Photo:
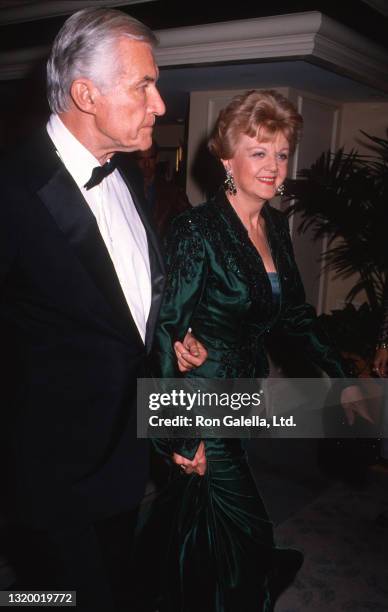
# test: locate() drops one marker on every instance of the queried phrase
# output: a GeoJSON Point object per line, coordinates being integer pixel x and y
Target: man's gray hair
{"type": "Point", "coordinates": [85, 46]}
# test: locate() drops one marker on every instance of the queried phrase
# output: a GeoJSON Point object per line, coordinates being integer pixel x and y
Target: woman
{"type": "Point", "coordinates": [232, 278]}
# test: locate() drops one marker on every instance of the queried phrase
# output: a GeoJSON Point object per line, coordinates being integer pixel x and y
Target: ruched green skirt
{"type": "Point", "coordinates": [206, 543]}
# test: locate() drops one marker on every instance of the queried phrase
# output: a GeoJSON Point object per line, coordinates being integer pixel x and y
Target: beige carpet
{"type": "Point", "coordinates": [346, 551]}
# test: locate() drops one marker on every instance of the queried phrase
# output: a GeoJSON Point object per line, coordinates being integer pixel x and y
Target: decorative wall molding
{"type": "Point", "coordinates": [17, 12]}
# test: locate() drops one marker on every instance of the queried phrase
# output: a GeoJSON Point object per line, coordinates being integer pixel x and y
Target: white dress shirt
{"type": "Point", "coordinates": [117, 218]}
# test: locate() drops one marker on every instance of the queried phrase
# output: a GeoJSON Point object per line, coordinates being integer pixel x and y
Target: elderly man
{"type": "Point", "coordinates": [82, 279]}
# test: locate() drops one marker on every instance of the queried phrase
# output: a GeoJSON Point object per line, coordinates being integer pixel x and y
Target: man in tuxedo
{"type": "Point", "coordinates": [81, 278]}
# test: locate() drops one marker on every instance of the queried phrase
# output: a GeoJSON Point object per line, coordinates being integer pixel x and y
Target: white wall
{"type": "Point", "coordinates": [371, 117]}
{"type": "Point", "coordinates": [320, 134]}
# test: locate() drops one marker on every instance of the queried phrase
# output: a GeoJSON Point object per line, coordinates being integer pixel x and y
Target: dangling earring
{"type": "Point", "coordinates": [281, 190]}
{"type": "Point", "coordinates": [229, 184]}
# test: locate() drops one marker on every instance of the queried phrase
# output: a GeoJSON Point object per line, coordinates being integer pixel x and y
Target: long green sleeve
{"type": "Point", "coordinates": [299, 321]}
{"type": "Point", "coordinates": [186, 278]}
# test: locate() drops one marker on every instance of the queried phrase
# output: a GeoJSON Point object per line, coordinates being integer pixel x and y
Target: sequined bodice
{"type": "Point", "coordinates": [217, 285]}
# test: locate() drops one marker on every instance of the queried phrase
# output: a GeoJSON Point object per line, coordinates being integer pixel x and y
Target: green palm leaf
{"type": "Point", "coordinates": [345, 196]}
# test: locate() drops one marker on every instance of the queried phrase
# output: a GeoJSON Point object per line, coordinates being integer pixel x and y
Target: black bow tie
{"type": "Point", "coordinates": [100, 172]}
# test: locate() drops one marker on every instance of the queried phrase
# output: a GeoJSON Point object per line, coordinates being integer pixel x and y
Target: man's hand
{"type": "Point", "coordinates": [380, 362]}
{"type": "Point", "coordinates": [197, 465]}
{"type": "Point", "coordinates": [190, 353]}
{"type": "Point", "coordinates": [353, 403]}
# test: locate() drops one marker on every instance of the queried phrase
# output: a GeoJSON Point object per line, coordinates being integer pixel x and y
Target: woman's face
{"type": "Point", "coordinates": [259, 167]}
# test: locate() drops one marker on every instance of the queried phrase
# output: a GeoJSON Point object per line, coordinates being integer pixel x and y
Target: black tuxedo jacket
{"type": "Point", "coordinates": [71, 349]}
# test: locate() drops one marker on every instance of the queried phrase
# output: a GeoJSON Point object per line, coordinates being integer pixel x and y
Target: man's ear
{"type": "Point", "coordinates": [84, 95]}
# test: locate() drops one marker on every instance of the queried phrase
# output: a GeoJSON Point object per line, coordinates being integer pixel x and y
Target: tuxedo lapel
{"type": "Point", "coordinates": [155, 258]}
{"type": "Point", "coordinates": [74, 218]}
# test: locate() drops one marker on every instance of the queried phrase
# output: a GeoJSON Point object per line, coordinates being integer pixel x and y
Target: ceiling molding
{"type": "Point", "coordinates": [310, 35]}
{"type": "Point", "coordinates": [351, 54]}
{"type": "Point", "coordinates": [34, 10]}
{"type": "Point", "coordinates": [255, 38]}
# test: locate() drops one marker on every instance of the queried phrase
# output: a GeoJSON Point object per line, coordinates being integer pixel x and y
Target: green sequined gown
{"type": "Point", "coordinates": [216, 542]}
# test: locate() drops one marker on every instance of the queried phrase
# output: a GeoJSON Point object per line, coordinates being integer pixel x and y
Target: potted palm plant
{"type": "Point", "coordinates": [345, 197]}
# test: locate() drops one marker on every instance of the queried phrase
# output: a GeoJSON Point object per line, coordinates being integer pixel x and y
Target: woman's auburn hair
{"type": "Point", "coordinates": [260, 114]}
